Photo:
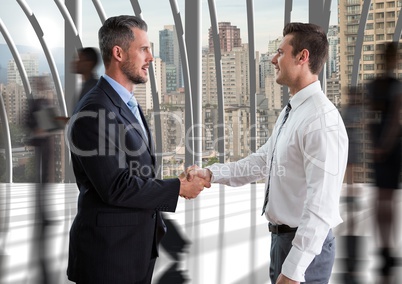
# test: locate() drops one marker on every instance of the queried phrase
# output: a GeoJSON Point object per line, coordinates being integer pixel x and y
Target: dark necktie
{"type": "Point", "coordinates": [133, 106]}
{"type": "Point", "coordinates": [288, 108]}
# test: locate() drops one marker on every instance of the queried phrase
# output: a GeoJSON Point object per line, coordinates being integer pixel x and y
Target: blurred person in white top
{"type": "Point", "coordinates": [303, 163]}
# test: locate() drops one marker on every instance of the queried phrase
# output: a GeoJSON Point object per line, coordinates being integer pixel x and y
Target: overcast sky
{"type": "Point", "coordinates": [268, 16]}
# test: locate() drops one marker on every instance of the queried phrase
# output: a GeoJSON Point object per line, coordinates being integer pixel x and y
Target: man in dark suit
{"type": "Point", "coordinates": [118, 227]}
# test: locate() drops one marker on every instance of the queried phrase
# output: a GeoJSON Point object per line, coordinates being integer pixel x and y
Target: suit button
{"type": "Point", "coordinates": [154, 216]}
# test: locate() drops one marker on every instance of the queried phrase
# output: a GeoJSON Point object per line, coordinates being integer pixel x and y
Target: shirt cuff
{"type": "Point", "coordinates": [296, 264]}
{"type": "Point", "coordinates": [214, 172]}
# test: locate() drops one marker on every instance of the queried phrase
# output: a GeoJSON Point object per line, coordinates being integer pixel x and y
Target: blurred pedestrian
{"type": "Point", "coordinates": [353, 116]}
{"type": "Point", "coordinates": [384, 100]}
{"type": "Point", "coordinates": [42, 123]}
{"type": "Point", "coordinates": [85, 64]}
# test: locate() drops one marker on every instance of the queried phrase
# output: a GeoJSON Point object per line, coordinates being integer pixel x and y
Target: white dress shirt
{"type": "Point", "coordinates": [306, 177]}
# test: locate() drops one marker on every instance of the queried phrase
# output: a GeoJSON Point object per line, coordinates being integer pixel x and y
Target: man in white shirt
{"type": "Point", "coordinates": [303, 162]}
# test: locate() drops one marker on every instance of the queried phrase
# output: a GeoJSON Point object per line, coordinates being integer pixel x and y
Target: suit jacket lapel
{"type": "Point", "coordinates": [144, 121]}
{"type": "Point", "coordinates": [125, 112]}
{"type": "Point", "coordinates": [150, 140]}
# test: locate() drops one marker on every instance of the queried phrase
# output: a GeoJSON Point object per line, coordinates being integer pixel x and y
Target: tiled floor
{"type": "Point", "coordinates": [229, 239]}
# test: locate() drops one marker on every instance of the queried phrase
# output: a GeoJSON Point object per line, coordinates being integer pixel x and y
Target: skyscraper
{"type": "Point", "coordinates": [333, 39]}
{"type": "Point", "coordinates": [380, 28]}
{"type": "Point", "coordinates": [31, 65]}
{"type": "Point", "coordinates": [229, 37]}
{"type": "Point", "coordinates": [169, 52]}
{"type": "Point", "coordinates": [15, 102]}
{"type": "Point", "coordinates": [235, 72]}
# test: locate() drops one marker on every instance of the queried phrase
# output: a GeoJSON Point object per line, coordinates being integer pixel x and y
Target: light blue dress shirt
{"type": "Point", "coordinates": [126, 96]}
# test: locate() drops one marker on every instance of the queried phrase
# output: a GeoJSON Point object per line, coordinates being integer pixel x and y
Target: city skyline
{"type": "Point", "coordinates": [268, 19]}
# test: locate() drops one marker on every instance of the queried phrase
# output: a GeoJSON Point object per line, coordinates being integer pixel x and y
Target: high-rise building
{"type": "Point", "coordinates": [235, 77]}
{"type": "Point", "coordinates": [379, 29]}
{"type": "Point", "coordinates": [332, 90]}
{"type": "Point", "coordinates": [265, 68]}
{"type": "Point", "coordinates": [169, 52]}
{"type": "Point", "coordinates": [236, 93]}
{"type": "Point", "coordinates": [15, 102]}
{"type": "Point", "coordinates": [333, 39]}
{"type": "Point", "coordinates": [229, 37]}
{"type": "Point", "coordinates": [269, 87]}
{"type": "Point", "coordinates": [273, 45]}
{"type": "Point", "coordinates": [31, 65]}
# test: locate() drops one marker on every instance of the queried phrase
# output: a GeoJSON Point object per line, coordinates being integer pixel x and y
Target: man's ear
{"type": "Point", "coordinates": [117, 53]}
{"type": "Point", "coordinates": [304, 56]}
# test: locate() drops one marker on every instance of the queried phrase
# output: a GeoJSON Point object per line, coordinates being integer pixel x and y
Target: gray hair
{"type": "Point", "coordinates": [118, 31]}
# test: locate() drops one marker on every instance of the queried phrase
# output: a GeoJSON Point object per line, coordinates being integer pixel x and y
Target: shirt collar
{"type": "Point", "coordinates": [305, 93]}
{"type": "Point", "coordinates": [124, 94]}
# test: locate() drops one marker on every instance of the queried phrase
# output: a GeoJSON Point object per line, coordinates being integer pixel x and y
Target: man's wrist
{"type": "Point", "coordinates": [210, 173]}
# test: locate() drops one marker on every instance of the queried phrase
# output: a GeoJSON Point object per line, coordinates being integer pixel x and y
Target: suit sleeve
{"type": "Point", "coordinates": [110, 158]}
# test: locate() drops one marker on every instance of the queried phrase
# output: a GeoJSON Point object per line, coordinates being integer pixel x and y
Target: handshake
{"type": "Point", "coordinates": [193, 180]}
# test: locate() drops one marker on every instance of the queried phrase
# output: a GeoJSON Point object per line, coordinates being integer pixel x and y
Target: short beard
{"type": "Point", "coordinates": [135, 79]}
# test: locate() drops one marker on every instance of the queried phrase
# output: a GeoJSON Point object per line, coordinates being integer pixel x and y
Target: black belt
{"type": "Point", "coordinates": [280, 229]}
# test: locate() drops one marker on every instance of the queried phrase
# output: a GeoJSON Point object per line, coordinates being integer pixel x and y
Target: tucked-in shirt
{"type": "Point", "coordinates": [307, 173]}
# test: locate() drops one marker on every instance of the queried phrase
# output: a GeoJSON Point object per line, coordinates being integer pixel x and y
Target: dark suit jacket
{"type": "Point", "coordinates": [118, 225]}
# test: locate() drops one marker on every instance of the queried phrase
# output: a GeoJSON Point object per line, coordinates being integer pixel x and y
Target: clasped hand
{"type": "Point", "coordinates": [193, 180]}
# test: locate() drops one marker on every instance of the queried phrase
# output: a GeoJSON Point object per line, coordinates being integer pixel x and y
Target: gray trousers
{"type": "Point", "coordinates": [320, 268]}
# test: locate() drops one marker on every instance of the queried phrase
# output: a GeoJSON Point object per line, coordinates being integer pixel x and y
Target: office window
{"type": "Point", "coordinates": [390, 15]}
{"type": "Point", "coordinates": [390, 4]}
{"type": "Point", "coordinates": [353, 29]}
{"type": "Point", "coordinates": [353, 18]}
{"type": "Point", "coordinates": [353, 2]}
{"type": "Point", "coordinates": [368, 57]}
{"type": "Point", "coordinates": [368, 47]}
{"type": "Point", "coordinates": [368, 66]}
{"type": "Point", "coordinates": [380, 47]}
{"type": "Point", "coordinates": [380, 6]}
{"type": "Point", "coordinates": [390, 25]}
{"type": "Point", "coordinates": [353, 9]}
{"type": "Point", "coordinates": [369, 38]}
{"type": "Point", "coordinates": [380, 66]}
{"type": "Point", "coordinates": [368, 76]}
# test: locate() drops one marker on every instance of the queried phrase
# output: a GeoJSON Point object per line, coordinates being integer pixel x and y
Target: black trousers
{"type": "Point", "coordinates": [148, 277]}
